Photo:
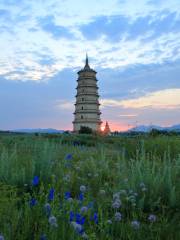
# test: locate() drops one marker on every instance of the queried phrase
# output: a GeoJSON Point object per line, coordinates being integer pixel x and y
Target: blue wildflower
{"type": "Point", "coordinates": [80, 219]}
{"type": "Point", "coordinates": [68, 156]}
{"type": "Point", "coordinates": [35, 181]}
{"type": "Point", "coordinates": [77, 227]}
{"type": "Point", "coordinates": [32, 202]}
{"type": "Point", "coordinates": [152, 218]}
{"type": "Point", "coordinates": [76, 143]}
{"type": "Point", "coordinates": [118, 216]}
{"type": "Point", "coordinates": [1, 237]}
{"type": "Point", "coordinates": [43, 237]}
{"type": "Point", "coordinates": [84, 209]}
{"type": "Point", "coordinates": [67, 195]}
{"type": "Point", "coordinates": [94, 218]}
{"type": "Point", "coordinates": [135, 224]}
{"type": "Point", "coordinates": [71, 216]}
{"type": "Point", "coordinates": [51, 194]}
{"type": "Point", "coordinates": [47, 208]}
{"type": "Point", "coordinates": [81, 197]}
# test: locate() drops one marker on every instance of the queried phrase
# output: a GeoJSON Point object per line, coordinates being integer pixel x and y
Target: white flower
{"type": "Point", "coordinates": [53, 221]}
{"type": "Point", "coordinates": [83, 188]}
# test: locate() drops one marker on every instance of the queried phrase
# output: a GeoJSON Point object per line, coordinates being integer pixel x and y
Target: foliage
{"type": "Point", "coordinates": [78, 186]}
{"type": "Point", "coordinates": [85, 130]}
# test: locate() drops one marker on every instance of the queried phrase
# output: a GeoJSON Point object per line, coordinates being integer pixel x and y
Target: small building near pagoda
{"type": "Point", "coordinates": [106, 130]}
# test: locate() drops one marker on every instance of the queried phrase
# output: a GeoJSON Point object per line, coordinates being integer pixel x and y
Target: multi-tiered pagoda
{"type": "Point", "coordinates": [87, 113]}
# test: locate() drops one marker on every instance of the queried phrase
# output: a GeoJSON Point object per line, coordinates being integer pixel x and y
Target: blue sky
{"type": "Point", "coordinates": [135, 48]}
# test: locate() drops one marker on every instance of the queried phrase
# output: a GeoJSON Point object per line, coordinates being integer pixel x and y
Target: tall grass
{"type": "Point", "coordinates": [144, 171]}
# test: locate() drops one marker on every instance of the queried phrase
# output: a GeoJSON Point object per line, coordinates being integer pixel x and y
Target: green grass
{"type": "Point", "coordinates": [111, 164]}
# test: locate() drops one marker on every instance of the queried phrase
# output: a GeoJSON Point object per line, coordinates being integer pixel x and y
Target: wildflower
{"type": "Point", "coordinates": [89, 174]}
{"type": "Point", "coordinates": [67, 178]}
{"type": "Point", "coordinates": [32, 202]}
{"type": "Point", "coordinates": [35, 181]}
{"type": "Point", "coordinates": [77, 227]}
{"type": "Point", "coordinates": [102, 192]}
{"type": "Point", "coordinates": [118, 216]}
{"type": "Point", "coordinates": [90, 205]}
{"type": "Point", "coordinates": [68, 156]}
{"type": "Point", "coordinates": [81, 197]}
{"type": "Point", "coordinates": [53, 221]}
{"type": "Point", "coordinates": [84, 209]}
{"type": "Point", "coordinates": [51, 194]}
{"type": "Point", "coordinates": [116, 204]}
{"type": "Point", "coordinates": [70, 200]}
{"type": "Point", "coordinates": [47, 208]}
{"type": "Point", "coordinates": [1, 237]}
{"type": "Point", "coordinates": [144, 189]}
{"type": "Point", "coordinates": [123, 192]}
{"type": "Point", "coordinates": [152, 218]}
{"type": "Point", "coordinates": [67, 195]}
{"type": "Point", "coordinates": [43, 237]}
{"type": "Point", "coordinates": [76, 143]}
{"type": "Point", "coordinates": [142, 185]}
{"type": "Point", "coordinates": [80, 219]}
{"type": "Point", "coordinates": [116, 195]}
{"type": "Point", "coordinates": [109, 221]}
{"type": "Point", "coordinates": [135, 194]}
{"type": "Point", "coordinates": [135, 224]}
{"type": "Point", "coordinates": [71, 216]}
{"type": "Point", "coordinates": [84, 235]}
{"type": "Point", "coordinates": [83, 188]}
{"type": "Point", "coordinates": [95, 218]}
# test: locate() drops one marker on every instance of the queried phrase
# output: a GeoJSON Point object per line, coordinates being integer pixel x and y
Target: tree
{"type": "Point", "coordinates": [85, 130]}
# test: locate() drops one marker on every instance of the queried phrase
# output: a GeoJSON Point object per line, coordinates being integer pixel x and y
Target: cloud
{"type": "Point", "coordinates": [116, 28]}
{"type": "Point", "coordinates": [57, 31]}
{"type": "Point", "coordinates": [64, 105]}
{"type": "Point", "coordinates": [165, 99]}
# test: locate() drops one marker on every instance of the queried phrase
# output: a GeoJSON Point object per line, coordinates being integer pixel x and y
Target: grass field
{"type": "Point", "coordinates": [72, 187]}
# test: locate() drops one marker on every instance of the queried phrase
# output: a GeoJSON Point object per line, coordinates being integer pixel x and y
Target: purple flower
{"type": "Point", "coordinates": [116, 204]}
{"type": "Point", "coordinates": [152, 218]}
{"type": "Point", "coordinates": [35, 181]}
{"type": "Point", "coordinates": [51, 194]}
{"type": "Point", "coordinates": [32, 202]}
{"type": "Point", "coordinates": [118, 216]}
{"type": "Point", "coordinates": [84, 209]}
{"type": "Point", "coordinates": [135, 224]}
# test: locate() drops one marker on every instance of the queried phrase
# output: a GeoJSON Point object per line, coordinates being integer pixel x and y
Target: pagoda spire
{"type": "Point", "coordinates": [87, 63]}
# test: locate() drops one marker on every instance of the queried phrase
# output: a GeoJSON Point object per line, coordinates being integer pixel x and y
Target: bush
{"type": "Point", "coordinates": [85, 130]}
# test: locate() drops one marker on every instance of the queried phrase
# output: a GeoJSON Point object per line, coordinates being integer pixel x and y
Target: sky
{"type": "Point", "coordinates": [133, 46]}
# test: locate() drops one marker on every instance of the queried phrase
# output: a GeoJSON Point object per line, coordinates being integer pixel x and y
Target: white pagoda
{"type": "Point", "coordinates": [87, 113]}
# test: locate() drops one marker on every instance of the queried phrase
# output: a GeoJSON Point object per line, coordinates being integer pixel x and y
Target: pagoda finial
{"type": "Point", "coordinates": [87, 62]}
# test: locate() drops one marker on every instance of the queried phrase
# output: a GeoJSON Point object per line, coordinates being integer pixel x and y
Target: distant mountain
{"type": "Point", "coordinates": [38, 130]}
{"type": "Point", "coordinates": [148, 128]}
